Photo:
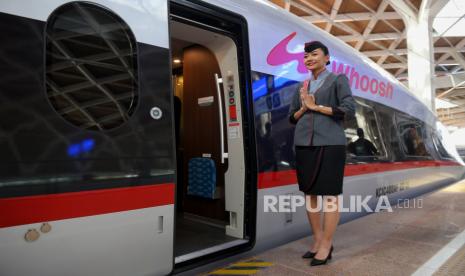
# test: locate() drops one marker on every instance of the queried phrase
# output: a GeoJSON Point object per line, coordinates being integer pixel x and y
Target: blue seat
{"type": "Point", "coordinates": [202, 178]}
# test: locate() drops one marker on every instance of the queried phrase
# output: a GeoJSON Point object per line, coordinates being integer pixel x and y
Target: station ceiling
{"type": "Point", "coordinates": [377, 30]}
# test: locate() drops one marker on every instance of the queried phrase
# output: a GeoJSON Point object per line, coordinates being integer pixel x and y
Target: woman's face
{"type": "Point", "coordinates": [315, 60]}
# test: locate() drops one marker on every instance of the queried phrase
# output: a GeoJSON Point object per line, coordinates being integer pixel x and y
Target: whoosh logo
{"type": "Point", "coordinates": [280, 55]}
{"type": "Point", "coordinates": [365, 83]}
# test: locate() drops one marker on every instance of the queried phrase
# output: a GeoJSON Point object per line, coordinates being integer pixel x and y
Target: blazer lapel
{"type": "Point", "coordinates": [326, 83]}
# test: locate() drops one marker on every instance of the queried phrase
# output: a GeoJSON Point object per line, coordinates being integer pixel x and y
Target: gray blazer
{"type": "Point", "coordinates": [317, 129]}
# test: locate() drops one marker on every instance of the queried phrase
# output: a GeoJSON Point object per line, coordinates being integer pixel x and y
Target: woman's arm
{"type": "Point", "coordinates": [346, 107]}
{"type": "Point", "coordinates": [299, 113]}
{"type": "Point", "coordinates": [297, 109]}
{"type": "Point", "coordinates": [327, 110]}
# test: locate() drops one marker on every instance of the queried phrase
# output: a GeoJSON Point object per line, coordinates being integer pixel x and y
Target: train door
{"type": "Point", "coordinates": [87, 164]}
{"type": "Point", "coordinates": [208, 89]}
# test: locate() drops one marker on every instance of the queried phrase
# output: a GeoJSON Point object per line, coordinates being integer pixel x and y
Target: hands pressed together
{"type": "Point", "coordinates": [308, 101]}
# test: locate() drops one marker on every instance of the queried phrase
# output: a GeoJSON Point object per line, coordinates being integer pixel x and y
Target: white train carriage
{"type": "Point", "coordinates": [141, 137]}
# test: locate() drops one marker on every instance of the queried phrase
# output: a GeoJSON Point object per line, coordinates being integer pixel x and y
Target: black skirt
{"type": "Point", "coordinates": [320, 169]}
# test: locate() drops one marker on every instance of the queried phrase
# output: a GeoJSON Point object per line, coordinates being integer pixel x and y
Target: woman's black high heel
{"type": "Point", "coordinates": [309, 255]}
{"type": "Point", "coordinates": [322, 262]}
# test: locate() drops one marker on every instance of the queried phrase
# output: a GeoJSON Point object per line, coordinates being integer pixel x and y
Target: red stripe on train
{"type": "Point", "coordinates": [33, 209]}
{"type": "Point", "coordinates": [288, 177]}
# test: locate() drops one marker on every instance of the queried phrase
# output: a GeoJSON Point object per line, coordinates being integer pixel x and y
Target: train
{"type": "Point", "coordinates": [142, 137]}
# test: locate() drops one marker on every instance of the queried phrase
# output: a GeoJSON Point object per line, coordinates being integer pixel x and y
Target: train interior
{"type": "Point", "coordinates": [209, 144]}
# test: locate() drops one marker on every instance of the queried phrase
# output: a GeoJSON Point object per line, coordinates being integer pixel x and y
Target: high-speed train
{"type": "Point", "coordinates": [141, 137]}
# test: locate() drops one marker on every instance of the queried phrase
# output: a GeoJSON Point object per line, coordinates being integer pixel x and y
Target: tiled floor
{"type": "Point", "coordinates": [396, 243]}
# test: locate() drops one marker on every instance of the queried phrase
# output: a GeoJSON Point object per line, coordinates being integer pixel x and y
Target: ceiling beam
{"type": "Point", "coordinates": [378, 53]}
{"type": "Point", "coordinates": [379, 36]}
{"type": "Point", "coordinates": [355, 16]}
{"type": "Point", "coordinates": [400, 71]}
{"type": "Point", "coordinates": [394, 65]}
{"type": "Point", "coordinates": [458, 47]}
{"type": "Point", "coordinates": [456, 124]}
{"type": "Point", "coordinates": [361, 3]}
{"type": "Point", "coordinates": [457, 69]}
{"type": "Point", "coordinates": [453, 100]}
{"type": "Point", "coordinates": [392, 47]}
{"type": "Point", "coordinates": [412, 6]}
{"type": "Point", "coordinates": [403, 9]}
{"type": "Point", "coordinates": [452, 91]}
{"type": "Point", "coordinates": [453, 118]}
{"type": "Point", "coordinates": [371, 24]}
{"type": "Point", "coordinates": [449, 62]}
{"type": "Point", "coordinates": [458, 57]}
{"type": "Point", "coordinates": [310, 8]}
{"type": "Point", "coordinates": [449, 80]}
{"type": "Point", "coordinates": [287, 5]}
{"type": "Point", "coordinates": [449, 112]}
{"type": "Point", "coordinates": [334, 12]}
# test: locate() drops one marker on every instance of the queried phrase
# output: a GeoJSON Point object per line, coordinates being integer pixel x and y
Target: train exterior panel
{"type": "Point", "coordinates": [89, 185]}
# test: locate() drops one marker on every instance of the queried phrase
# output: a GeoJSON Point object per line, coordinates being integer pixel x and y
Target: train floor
{"type": "Point", "coordinates": [409, 241]}
{"type": "Point", "coordinates": [195, 233]}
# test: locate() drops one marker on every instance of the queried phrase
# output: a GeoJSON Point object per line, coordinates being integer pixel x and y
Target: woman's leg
{"type": "Point", "coordinates": [314, 217]}
{"type": "Point", "coordinates": [331, 219]}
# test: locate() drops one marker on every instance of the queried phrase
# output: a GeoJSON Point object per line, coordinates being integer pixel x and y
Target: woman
{"type": "Point", "coordinates": [318, 109]}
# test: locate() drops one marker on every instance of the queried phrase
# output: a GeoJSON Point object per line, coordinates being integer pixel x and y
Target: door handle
{"type": "Point", "coordinates": [160, 224]}
{"type": "Point", "coordinates": [223, 154]}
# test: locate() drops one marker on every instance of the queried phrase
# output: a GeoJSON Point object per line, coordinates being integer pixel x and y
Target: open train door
{"type": "Point", "coordinates": [216, 169]}
{"type": "Point", "coordinates": [86, 138]}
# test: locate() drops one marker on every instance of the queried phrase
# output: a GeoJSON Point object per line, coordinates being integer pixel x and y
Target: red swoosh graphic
{"type": "Point", "coordinates": [279, 55]}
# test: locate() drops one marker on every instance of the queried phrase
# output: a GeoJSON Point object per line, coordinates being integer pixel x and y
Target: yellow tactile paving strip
{"type": "Point", "coordinates": [246, 267]}
{"type": "Point", "coordinates": [455, 265]}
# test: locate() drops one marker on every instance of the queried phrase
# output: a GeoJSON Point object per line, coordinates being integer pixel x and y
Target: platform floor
{"type": "Point", "coordinates": [420, 241]}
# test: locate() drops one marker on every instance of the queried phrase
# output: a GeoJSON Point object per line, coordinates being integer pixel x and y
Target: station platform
{"type": "Point", "coordinates": [426, 240]}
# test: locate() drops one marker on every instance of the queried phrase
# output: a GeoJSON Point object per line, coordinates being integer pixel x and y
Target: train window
{"type": "Point", "coordinates": [91, 77]}
{"type": "Point", "coordinates": [272, 96]}
{"type": "Point", "coordinates": [365, 142]}
{"type": "Point", "coordinates": [68, 116]}
{"type": "Point", "coordinates": [411, 136]}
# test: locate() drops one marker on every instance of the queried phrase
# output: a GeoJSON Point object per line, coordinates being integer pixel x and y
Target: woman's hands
{"type": "Point", "coordinates": [303, 106]}
{"type": "Point", "coordinates": [308, 101]}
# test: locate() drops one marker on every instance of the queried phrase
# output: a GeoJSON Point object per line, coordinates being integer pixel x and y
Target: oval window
{"type": "Point", "coordinates": [91, 66]}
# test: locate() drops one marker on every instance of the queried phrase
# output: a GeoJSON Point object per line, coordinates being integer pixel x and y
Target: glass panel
{"type": "Point", "coordinates": [91, 67]}
{"type": "Point", "coordinates": [364, 139]}
{"type": "Point", "coordinates": [411, 136]}
{"type": "Point", "coordinates": [68, 122]}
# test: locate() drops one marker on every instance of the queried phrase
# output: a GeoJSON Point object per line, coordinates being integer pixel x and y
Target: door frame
{"type": "Point", "coordinates": [206, 16]}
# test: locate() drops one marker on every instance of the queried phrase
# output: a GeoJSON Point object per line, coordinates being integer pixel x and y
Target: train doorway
{"type": "Point", "coordinates": [212, 190]}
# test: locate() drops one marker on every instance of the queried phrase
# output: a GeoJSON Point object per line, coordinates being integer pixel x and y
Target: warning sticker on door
{"type": "Point", "coordinates": [233, 132]}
